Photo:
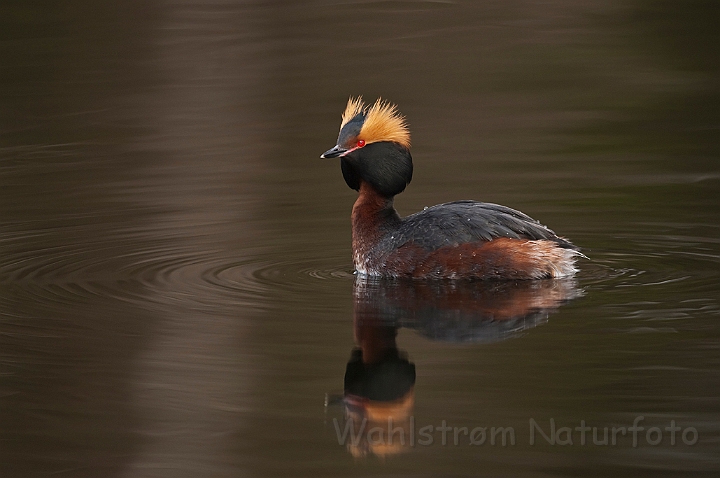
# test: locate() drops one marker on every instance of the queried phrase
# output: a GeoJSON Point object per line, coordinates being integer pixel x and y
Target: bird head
{"type": "Point", "coordinates": [374, 146]}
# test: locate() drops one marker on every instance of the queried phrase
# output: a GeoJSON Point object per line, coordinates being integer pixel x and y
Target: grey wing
{"type": "Point", "coordinates": [470, 221]}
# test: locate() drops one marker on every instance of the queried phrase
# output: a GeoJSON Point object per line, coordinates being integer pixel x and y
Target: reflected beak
{"type": "Point", "coordinates": [334, 152]}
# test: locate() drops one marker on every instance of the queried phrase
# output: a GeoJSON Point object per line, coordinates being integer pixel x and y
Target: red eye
{"type": "Point", "coordinates": [360, 143]}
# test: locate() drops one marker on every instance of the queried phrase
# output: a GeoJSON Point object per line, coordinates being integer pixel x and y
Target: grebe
{"type": "Point", "coordinates": [462, 239]}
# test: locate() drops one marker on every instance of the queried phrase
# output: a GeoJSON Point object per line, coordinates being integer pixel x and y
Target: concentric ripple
{"type": "Point", "coordinates": [59, 266]}
{"type": "Point", "coordinates": [82, 259]}
{"type": "Point", "coordinates": [643, 271]}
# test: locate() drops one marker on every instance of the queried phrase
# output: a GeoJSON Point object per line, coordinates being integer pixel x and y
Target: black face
{"type": "Point", "coordinates": [385, 165]}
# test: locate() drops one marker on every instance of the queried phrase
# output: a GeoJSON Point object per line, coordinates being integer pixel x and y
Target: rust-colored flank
{"type": "Point", "coordinates": [502, 258]}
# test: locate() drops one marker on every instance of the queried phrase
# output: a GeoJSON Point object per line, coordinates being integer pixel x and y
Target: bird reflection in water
{"type": "Point", "coordinates": [379, 383]}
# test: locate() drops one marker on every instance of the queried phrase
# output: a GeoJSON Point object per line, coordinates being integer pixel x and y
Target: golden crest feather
{"type": "Point", "coordinates": [383, 121]}
{"type": "Point", "coordinates": [354, 107]}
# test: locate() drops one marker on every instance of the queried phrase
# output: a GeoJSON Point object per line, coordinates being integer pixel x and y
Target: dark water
{"type": "Point", "coordinates": [176, 288]}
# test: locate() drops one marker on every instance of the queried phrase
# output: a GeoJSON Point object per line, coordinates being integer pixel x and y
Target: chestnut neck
{"type": "Point", "coordinates": [373, 215]}
{"type": "Point", "coordinates": [372, 209]}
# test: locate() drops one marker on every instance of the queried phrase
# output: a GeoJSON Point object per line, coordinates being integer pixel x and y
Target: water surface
{"type": "Point", "coordinates": [176, 287]}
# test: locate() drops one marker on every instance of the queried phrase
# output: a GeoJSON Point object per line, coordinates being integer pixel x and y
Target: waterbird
{"type": "Point", "coordinates": [454, 240]}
